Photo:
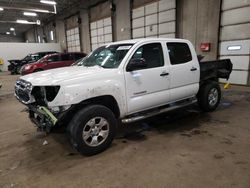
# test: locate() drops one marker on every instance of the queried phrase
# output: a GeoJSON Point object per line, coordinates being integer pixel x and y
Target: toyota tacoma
{"type": "Point", "coordinates": [123, 81]}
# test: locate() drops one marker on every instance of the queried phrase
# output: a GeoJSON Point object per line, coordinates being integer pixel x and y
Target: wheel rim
{"type": "Point", "coordinates": [213, 97]}
{"type": "Point", "coordinates": [95, 131]}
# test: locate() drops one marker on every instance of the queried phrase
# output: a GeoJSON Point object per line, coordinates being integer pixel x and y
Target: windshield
{"type": "Point", "coordinates": [27, 58]}
{"type": "Point", "coordinates": [106, 56]}
{"type": "Point", "coordinates": [32, 57]}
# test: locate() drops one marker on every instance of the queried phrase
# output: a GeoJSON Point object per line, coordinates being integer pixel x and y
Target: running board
{"type": "Point", "coordinates": [150, 114]}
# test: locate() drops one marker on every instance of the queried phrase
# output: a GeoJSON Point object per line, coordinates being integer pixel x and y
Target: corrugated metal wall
{"type": "Point", "coordinates": [73, 34]}
{"type": "Point", "coordinates": [100, 25]}
{"type": "Point", "coordinates": [154, 19]}
{"type": "Point", "coordinates": [235, 38]}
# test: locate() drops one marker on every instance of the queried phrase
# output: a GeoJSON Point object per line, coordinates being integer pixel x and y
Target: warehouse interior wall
{"type": "Point", "coordinates": [11, 38]}
{"type": "Point", "coordinates": [121, 20]}
{"type": "Point", "coordinates": [198, 21]}
{"type": "Point", "coordinates": [84, 28]}
{"type": "Point", "coordinates": [60, 36]}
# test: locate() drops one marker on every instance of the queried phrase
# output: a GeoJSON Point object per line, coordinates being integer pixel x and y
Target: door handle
{"type": "Point", "coordinates": [193, 69]}
{"type": "Point", "coordinates": [164, 74]}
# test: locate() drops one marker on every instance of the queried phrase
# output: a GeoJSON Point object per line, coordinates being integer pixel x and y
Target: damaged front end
{"type": "Point", "coordinates": [36, 98]}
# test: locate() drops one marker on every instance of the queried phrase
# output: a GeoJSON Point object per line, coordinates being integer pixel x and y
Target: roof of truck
{"type": "Point", "coordinates": [133, 41]}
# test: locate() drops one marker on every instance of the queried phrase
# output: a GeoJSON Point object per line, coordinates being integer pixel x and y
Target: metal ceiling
{"type": "Point", "coordinates": [13, 10]}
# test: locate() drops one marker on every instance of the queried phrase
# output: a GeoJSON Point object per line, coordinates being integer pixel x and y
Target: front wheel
{"type": "Point", "coordinates": [92, 129]}
{"type": "Point", "coordinates": [209, 96]}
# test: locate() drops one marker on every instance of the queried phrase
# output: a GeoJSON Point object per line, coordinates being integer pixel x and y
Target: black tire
{"type": "Point", "coordinates": [204, 96]}
{"type": "Point", "coordinates": [80, 122]}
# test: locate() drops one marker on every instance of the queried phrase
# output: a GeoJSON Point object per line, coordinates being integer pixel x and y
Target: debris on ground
{"type": "Point", "coordinates": [15, 165]}
{"type": "Point", "coordinates": [218, 156]}
{"type": "Point", "coordinates": [193, 132]}
{"type": "Point", "coordinates": [45, 142]}
{"type": "Point", "coordinates": [226, 141]}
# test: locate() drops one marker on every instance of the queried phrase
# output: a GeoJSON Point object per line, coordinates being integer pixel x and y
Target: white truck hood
{"type": "Point", "coordinates": [67, 74]}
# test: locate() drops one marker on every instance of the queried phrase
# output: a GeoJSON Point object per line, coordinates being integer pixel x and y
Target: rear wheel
{"type": "Point", "coordinates": [209, 96]}
{"type": "Point", "coordinates": [92, 129]}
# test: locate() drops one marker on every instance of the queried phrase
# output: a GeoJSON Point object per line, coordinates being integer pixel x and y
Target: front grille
{"type": "Point", "coordinates": [23, 90]}
{"type": "Point", "coordinates": [24, 96]}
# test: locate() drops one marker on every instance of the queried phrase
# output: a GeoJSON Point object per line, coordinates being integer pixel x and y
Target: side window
{"type": "Point", "coordinates": [54, 58]}
{"type": "Point", "coordinates": [78, 56]}
{"type": "Point", "coordinates": [152, 53]}
{"type": "Point", "coordinates": [179, 53]}
{"type": "Point", "coordinates": [65, 57]}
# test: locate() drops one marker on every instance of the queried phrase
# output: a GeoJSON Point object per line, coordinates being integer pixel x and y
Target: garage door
{"type": "Point", "coordinates": [101, 32]}
{"type": "Point", "coordinates": [156, 19]}
{"type": "Point", "coordinates": [73, 40]}
{"type": "Point", "coordinates": [235, 38]}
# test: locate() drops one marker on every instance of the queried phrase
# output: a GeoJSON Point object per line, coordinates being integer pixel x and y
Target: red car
{"type": "Point", "coordinates": [52, 61]}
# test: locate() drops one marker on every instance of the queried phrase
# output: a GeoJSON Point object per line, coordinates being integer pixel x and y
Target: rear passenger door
{"type": "Point", "coordinates": [184, 71]}
{"type": "Point", "coordinates": [147, 87]}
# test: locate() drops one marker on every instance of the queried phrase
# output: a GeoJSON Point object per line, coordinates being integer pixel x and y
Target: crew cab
{"type": "Point", "coordinates": [52, 61]}
{"type": "Point", "coordinates": [124, 81]}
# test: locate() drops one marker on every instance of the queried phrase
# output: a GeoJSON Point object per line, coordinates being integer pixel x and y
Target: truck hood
{"type": "Point", "coordinates": [65, 75]}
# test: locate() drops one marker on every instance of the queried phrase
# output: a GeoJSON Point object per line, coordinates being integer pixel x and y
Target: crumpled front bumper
{"type": "Point", "coordinates": [42, 117]}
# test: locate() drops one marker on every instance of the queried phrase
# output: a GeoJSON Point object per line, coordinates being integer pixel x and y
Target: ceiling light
{"type": "Point", "coordinates": [1, 9]}
{"type": "Point", "coordinates": [22, 21]}
{"type": "Point", "coordinates": [48, 2]}
{"type": "Point", "coordinates": [7, 33]}
{"type": "Point", "coordinates": [30, 14]}
{"type": "Point", "coordinates": [25, 22]}
{"type": "Point", "coordinates": [41, 10]}
{"type": "Point", "coordinates": [12, 29]}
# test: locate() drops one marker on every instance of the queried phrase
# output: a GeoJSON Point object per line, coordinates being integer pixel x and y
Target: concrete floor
{"type": "Point", "coordinates": [185, 148]}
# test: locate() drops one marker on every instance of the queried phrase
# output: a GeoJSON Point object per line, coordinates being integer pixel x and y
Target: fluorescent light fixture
{"type": "Point", "coordinates": [51, 35]}
{"type": "Point", "coordinates": [41, 10]}
{"type": "Point", "coordinates": [7, 33]}
{"type": "Point", "coordinates": [12, 29]}
{"type": "Point", "coordinates": [1, 9]}
{"type": "Point", "coordinates": [232, 48]}
{"type": "Point", "coordinates": [39, 39]}
{"type": "Point", "coordinates": [48, 2]}
{"type": "Point", "coordinates": [29, 14]}
{"type": "Point", "coordinates": [22, 21]}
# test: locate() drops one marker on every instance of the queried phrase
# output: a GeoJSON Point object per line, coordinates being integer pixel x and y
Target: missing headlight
{"type": "Point", "coordinates": [51, 92]}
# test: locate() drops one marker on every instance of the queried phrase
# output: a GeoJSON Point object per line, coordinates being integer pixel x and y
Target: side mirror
{"type": "Point", "coordinates": [135, 64]}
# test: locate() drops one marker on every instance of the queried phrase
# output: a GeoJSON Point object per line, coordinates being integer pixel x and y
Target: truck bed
{"type": "Point", "coordinates": [215, 69]}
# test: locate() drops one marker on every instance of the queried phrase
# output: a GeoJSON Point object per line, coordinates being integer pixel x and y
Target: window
{"type": "Point", "coordinates": [106, 56]}
{"type": "Point", "coordinates": [65, 57]}
{"type": "Point", "coordinates": [54, 58]}
{"type": "Point", "coordinates": [78, 56]}
{"type": "Point", "coordinates": [152, 53]}
{"type": "Point", "coordinates": [179, 53]}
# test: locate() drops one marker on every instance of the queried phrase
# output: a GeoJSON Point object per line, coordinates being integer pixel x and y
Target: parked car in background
{"type": "Point", "coordinates": [15, 65]}
{"type": "Point", "coordinates": [52, 61]}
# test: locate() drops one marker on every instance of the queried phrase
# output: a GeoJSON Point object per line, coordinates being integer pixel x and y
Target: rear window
{"type": "Point", "coordinates": [179, 53]}
{"type": "Point", "coordinates": [78, 56]}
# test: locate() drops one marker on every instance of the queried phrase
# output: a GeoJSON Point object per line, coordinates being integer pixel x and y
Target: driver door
{"type": "Point", "coordinates": [148, 87]}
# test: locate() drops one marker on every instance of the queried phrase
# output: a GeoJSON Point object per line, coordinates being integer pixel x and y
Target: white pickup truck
{"type": "Point", "coordinates": [124, 82]}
